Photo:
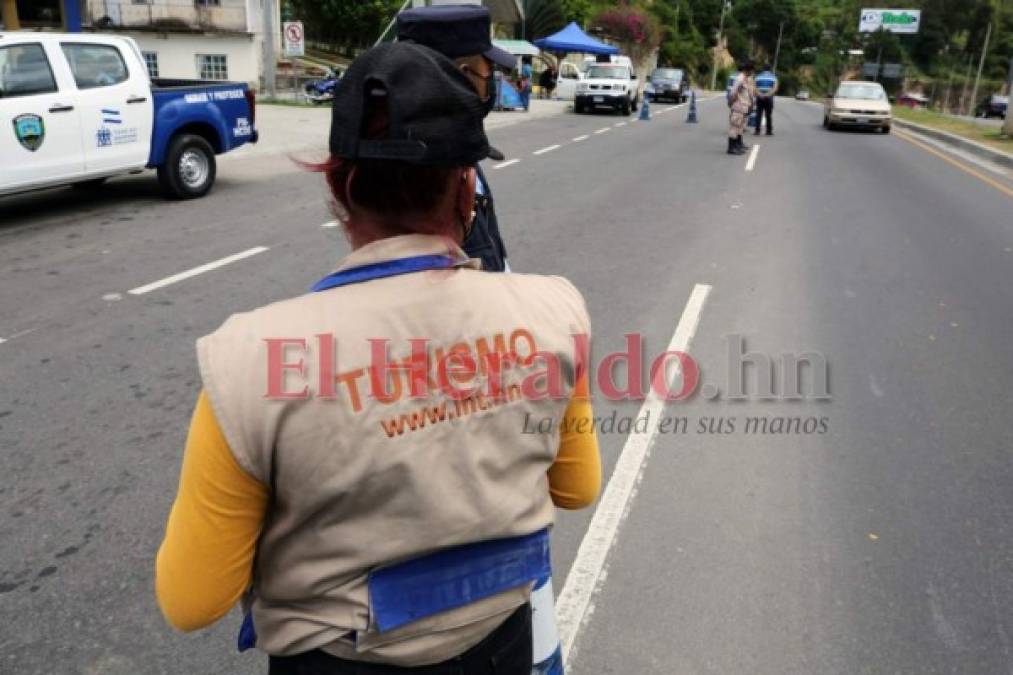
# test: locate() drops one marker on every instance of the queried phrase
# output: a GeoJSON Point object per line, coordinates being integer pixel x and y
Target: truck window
{"type": "Point", "coordinates": [95, 65]}
{"type": "Point", "coordinates": [25, 71]}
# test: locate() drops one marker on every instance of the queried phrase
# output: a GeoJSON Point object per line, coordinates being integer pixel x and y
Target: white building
{"type": "Point", "coordinates": [187, 39]}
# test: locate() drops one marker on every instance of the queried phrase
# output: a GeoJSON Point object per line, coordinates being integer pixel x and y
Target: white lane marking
{"type": "Point", "coordinates": [161, 283]}
{"type": "Point", "coordinates": [573, 606]}
{"type": "Point", "coordinates": [671, 107]}
{"type": "Point", "coordinates": [22, 333]}
{"type": "Point", "coordinates": [2, 341]}
{"type": "Point", "coordinates": [620, 124]}
{"type": "Point", "coordinates": [752, 157]}
{"type": "Point", "coordinates": [507, 163]}
{"type": "Point", "coordinates": [601, 131]}
{"type": "Point", "coordinates": [329, 224]}
{"type": "Point", "coordinates": [545, 150]}
{"type": "Point", "coordinates": [578, 139]}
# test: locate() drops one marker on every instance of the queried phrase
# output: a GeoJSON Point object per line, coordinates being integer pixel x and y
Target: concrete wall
{"type": "Point", "coordinates": [177, 53]}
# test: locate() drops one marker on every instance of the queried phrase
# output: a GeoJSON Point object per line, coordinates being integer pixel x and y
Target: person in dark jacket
{"type": "Point", "coordinates": [461, 33]}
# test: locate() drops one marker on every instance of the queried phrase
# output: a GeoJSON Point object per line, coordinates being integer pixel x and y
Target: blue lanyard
{"type": "Point", "coordinates": [388, 268]}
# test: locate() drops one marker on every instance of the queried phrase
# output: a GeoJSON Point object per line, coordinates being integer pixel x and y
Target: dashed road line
{"type": "Point", "coordinates": [620, 124]}
{"type": "Point", "coordinates": [578, 139]}
{"type": "Point", "coordinates": [545, 150]}
{"type": "Point", "coordinates": [752, 156]}
{"type": "Point", "coordinates": [588, 569]}
{"type": "Point", "coordinates": [509, 162]}
{"type": "Point", "coordinates": [601, 131]}
{"type": "Point", "coordinates": [329, 224]}
{"type": "Point", "coordinates": [168, 281]}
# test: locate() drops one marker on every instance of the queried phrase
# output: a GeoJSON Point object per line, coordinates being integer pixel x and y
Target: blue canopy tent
{"type": "Point", "coordinates": [573, 39]}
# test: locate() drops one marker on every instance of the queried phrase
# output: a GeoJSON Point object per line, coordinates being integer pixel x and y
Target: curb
{"type": "Point", "coordinates": [973, 147]}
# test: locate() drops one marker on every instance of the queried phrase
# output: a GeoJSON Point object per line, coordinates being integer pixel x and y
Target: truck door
{"type": "Point", "coordinates": [40, 130]}
{"type": "Point", "coordinates": [566, 84]}
{"type": "Point", "coordinates": [115, 103]}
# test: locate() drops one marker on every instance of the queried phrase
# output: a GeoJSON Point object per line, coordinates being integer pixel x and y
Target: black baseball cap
{"type": "Point", "coordinates": [435, 116]}
{"type": "Point", "coordinates": [454, 31]}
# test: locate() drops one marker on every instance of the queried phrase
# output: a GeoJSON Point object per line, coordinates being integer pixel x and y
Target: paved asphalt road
{"type": "Point", "coordinates": [883, 545]}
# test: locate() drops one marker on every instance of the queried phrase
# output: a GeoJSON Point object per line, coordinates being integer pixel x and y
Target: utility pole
{"type": "Point", "coordinates": [777, 50]}
{"type": "Point", "coordinates": [981, 64]}
{"type": "Point", "coordinates": [9, 13]}
{"type": "Point", "coordinates": [270, 60]}
{"type": "Point", "coordinates": [721, 31]}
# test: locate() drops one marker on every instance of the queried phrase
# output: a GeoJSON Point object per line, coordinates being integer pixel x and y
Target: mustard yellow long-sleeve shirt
{"type": "Point", "coordinates": [205, 563]}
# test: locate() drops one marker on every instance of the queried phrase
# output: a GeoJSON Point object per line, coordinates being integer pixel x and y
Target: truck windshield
{"type": "Point", "coordinates": [608, 73]}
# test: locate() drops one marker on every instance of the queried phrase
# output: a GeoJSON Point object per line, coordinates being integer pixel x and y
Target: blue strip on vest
{"type": "Point", "coordinates": [455, 577]}
{"type": "Point", "coordinates": [387, 268]}
{"type": "Point", "coordinates": [247, 633]}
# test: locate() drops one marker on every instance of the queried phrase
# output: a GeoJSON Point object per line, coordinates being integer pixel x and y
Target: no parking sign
{"type": "Point", "coordinates": [295, 39]}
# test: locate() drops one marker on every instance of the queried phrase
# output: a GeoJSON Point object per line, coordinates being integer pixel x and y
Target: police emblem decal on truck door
{"type": "Point", "coordinates": [30, 131]}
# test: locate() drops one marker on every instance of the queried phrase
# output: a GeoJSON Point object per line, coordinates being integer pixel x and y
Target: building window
{"type": "Point", "coordinates": [213, 66]}
{"type": "Point", "coordinates": [151, 61]}
{"type": "Point", "coordinates": [207, 3]}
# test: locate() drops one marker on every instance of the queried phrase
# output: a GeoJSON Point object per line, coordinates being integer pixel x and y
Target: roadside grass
{"type": "Point", "coordinates": [976, 132]}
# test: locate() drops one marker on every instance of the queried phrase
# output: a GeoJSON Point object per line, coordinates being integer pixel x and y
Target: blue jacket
{"type": "Point", "coordinates": [766, 83]}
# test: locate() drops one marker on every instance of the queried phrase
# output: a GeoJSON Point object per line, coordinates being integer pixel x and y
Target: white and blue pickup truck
{"type": "Point", "coordinates": [77, 108]}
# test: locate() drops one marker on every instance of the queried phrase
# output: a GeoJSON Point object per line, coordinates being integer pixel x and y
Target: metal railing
{"type": "Point", "coordinates": [178, 15]}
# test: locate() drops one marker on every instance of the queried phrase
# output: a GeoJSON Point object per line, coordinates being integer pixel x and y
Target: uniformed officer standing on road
{"type": "Point", "coordinates": [462, 33]}
{"type": "Point", "coordinates": [766, 88]}
{"type": "Point", "coordinates": [740, 101]}
{"type": "Point", "coordinates": [372, 466]}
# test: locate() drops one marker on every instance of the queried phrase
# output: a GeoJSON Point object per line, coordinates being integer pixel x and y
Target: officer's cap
{"type": "Point", "coordinates": [454, 31]}
{"type": "Point", "coordinates": [435, 116]}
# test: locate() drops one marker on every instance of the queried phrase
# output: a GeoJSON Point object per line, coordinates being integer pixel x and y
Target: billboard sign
{"type": "Point", "coordinates": [892, 20]}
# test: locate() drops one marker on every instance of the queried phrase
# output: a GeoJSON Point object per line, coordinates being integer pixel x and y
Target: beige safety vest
{"type": "Point", "coordinates": [359, 480]}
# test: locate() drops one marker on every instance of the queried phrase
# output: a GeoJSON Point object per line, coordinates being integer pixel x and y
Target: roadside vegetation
{"type": "Point", "coordinates": [989, 135]}
{"type": "Point", "coordinates": [815, 38]}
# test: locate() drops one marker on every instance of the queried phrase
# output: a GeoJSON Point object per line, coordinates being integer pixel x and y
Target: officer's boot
{"type": "Point", "coordinates": [742, 146]}
{"type": "Point", "coordinates": [733, 147]}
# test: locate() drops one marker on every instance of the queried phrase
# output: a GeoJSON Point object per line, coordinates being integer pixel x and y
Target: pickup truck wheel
{"type": "Point", "coordinates": [626, 107]}
{"type": "Point", "coordinates": [189, 168]}
{"type": "Point", "coordinates": [634, 106]}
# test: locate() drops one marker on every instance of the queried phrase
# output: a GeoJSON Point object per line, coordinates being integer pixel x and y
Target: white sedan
{"type": "Point", "coordinates": [858, 104]}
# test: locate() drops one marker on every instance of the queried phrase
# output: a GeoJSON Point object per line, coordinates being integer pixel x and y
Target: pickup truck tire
{"type": "Point", "coordinates": [626, 107]}
{"type": "Point", "coordinates": [634, 104]}
{"type": "Point", "coordinates": [189, 168]}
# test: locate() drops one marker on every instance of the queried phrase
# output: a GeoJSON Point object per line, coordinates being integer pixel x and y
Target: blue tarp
{"type": "Point", "coordinates": [573, 39]}
{"type": "Point", "coordinates": [508, 97]}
